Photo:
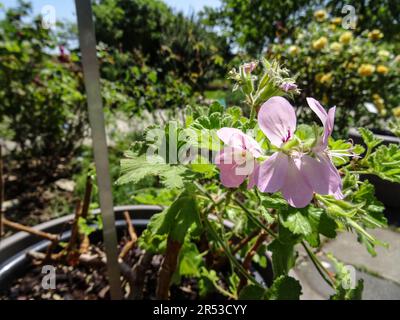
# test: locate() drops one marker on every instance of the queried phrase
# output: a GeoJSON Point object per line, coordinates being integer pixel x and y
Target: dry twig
{"type": "Point", "coordinates": [132, 234]}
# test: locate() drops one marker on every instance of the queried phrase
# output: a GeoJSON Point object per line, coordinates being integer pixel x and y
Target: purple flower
{"type": "Point", "coordinates": [288, 86]}
{"type": "Point", "coordinates": [296, 174]}
{"type": "Point", "coordinates": [249, 67]}
{"type": "Point", "coordinates": [237, 160]}
{"type": "Point", "coordinates": [321, 150]}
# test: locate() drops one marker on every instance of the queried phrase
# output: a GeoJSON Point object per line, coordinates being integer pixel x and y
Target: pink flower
{"type": "Point", "coordinates": [249, 67]}
{"type": "Point", "coordinates": [321, 150]}
{"type": "Point", "coordinates": [288, 86]}
{"type": "Point", "coordinates": [237, 160]}
{"type": "Point", "coordinates": [294, 173]}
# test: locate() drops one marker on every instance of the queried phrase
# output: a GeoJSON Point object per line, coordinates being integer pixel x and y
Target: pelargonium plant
{"type": "Point", "coordinates": [245, 193]}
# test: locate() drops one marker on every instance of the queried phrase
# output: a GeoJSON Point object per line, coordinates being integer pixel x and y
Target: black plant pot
{"type": "Point", "coordinates": [14, 262]}
{"type": "Point", "coordinates": [387, 192]}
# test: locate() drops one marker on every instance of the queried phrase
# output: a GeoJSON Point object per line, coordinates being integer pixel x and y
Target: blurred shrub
{"type": "Point", "coordinates": [170, 42]}
{"type": "Point", "coordinates": [41, 98]}
{"type": "Point", "coordinates": [130, 85]}
{"type": "Point", "coordinates": [377, 14]}
{"type": "Point", "coordinates": [353, 72]}
{"type": "Point", "coordinates": [254, 24]}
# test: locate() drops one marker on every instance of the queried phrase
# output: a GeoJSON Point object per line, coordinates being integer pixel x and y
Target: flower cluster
{"type": "Point", "coordinates": [296, 169]}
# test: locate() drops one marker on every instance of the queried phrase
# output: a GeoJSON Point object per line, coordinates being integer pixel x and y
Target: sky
{"type": "Point", "coordinates": [65, 9]}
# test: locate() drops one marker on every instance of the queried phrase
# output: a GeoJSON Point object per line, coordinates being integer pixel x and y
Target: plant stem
{"type": "Point", "coordinates": [255, 219]}
{"type": "Point", "coordinates": [139, 272]}
{"type": "Point", "coordinates": [74, 229]}
{"type": "Point", "coordinates": [87, 197]}
{"type": "Point", "coordinates": [245, 241]}
{"type": "Point", "coordinates": [228, 252]}
{"type": "Point", "coordinates": [252, 113]}
{"type": "Point", "coordinates": [249, 257]}
{"type": "Point", "coordinates": [320, 268]}
{"type": "Point", "coordinates": [21, 227]}
{"type": "Point", "coordinates": [223, 291]}
{"type": "Point", "coordinates": [168, 268]}
{"type": "Point", "coordinates": [132, 235]}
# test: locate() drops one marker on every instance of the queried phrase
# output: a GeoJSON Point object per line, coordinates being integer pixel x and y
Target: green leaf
{"type": "Point", "coordinates": [306, 134]}
{"type": "Point", "coordinates": [84, 227]}
{"type": "Point", "coordinates": [340, 146]}
{"type": "Point", "coordinates": [252, 292]}
{"type": "Point", "coordinates": [369, 139]}
{"type": "Point", "coordinates": [155, 196]}
{"type": "Point", "coordinates": [273, 201]}
{"type": "Point", "coordinates": [321, 223]}
{"type": "Point", "coordinates": [373, 208]}
{"type": "Point", "coordinates": [284, 288]}
{"type": "Point", "coordinates": [190, 260]}
{"type": "Point", "coordinates": [208, 170]}
{"type": "Point", "coordinates": [296, 221]}
{"type": "Point", "coordinates": [235, 113]}
{"type": "Point", "coordinates": [207, 282]}
{"type": "Point", "coordinates": [216, 107]}
{"type": "Point", "coordinates": [385, 162]}
{"type": "Point", "coordinates": [343, 282]}
{"type": "Point", "coordinates": [135, 168]}
{"type": "Point", "coordinates": [177, 219]}
{"type": "Point", "coordinates": [283, 257]}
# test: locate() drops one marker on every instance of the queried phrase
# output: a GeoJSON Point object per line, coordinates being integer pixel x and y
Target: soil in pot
{"type": "Point", "coordinates": [89, 282]}
{"type": "Point", "coordinates": [86, 280]}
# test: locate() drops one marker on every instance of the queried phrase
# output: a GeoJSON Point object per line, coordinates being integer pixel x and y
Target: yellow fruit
{"type": "Point", "coordinates": [336, 46]}
{"type": "Point", "coordinates": [293, 50]}
{"type": "Point", "coordinates": [346, 37]}
{"type": "Point", "coordinates": [320, 43]}
{"type": "Point", "coordinates": [326, 78]}
{"type": "Point", "coordinates": [375, 34]}
{"type": "Point", "coordinates": [366, 70]}
{"type": "Point", "coordinates": [318, 77]}
{"type": "Point", "coordinates": [320, 15]}
{"type": "Point", "coordinates": [379, 103]}
{"type": "Point", "coordinates": [382, 69]}
{"type": "Point", "coordinates": [396, 112]}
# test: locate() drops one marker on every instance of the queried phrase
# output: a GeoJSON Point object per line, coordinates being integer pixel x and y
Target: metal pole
{"type": "Point", "coordinates": [91, 74]}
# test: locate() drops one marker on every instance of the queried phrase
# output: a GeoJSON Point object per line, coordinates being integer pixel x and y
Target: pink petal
{"type": "Point", "coordinates": [277, 120]}
{"type": "Point", "coordinates": [230, 136]}
{"type": "Point", "coordinates": [273, 172]}
{"type": "Point", "coordinates": [319, 174]}
{"type": "Point", "coordinates": [296, 190]}
{"type": "Point", "coordinates": [235, 138]}
{"type": "Point", "coordinates": [318, 109]}
{"type": "Point", "coordinates": [335, 181]}
{"type": "Point", "coordinates": [225, 160]}
{"type": "Point", "coordinates": [327, 119]}
{"type": "Point", "coordinates": [329, 124]}
{"type": "Point", "coordinates": [253, 177]}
